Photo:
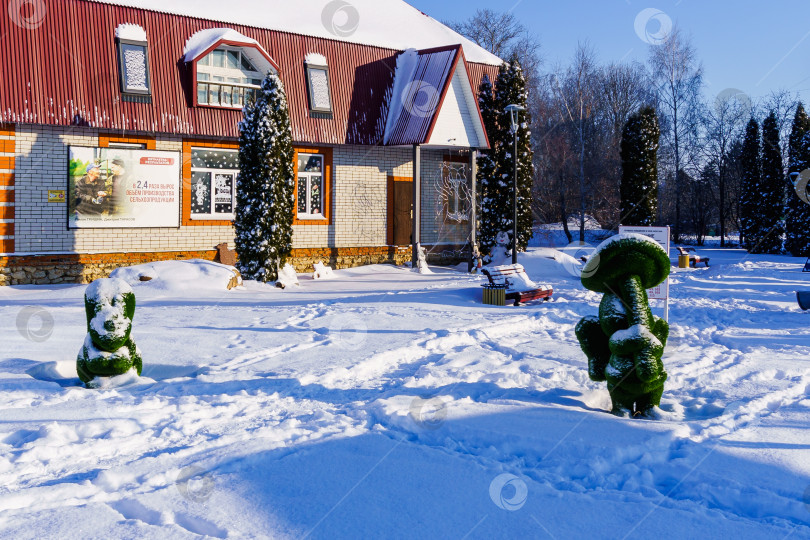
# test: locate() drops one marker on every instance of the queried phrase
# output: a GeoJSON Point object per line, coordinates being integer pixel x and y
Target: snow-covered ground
{"type": "Point", "coordinates": [388, 404]}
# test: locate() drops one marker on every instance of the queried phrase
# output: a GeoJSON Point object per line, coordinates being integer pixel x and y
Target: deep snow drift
{"type": "Point", "coordinates": [388, 403]}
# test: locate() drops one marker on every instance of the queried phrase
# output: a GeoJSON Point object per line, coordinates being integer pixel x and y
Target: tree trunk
{"type": "Point", "coordinates": [581, 182]}
{"type": "Point", "coordinates": [722, 205]}
{"type": "Point", "coordinates": [564, 216]}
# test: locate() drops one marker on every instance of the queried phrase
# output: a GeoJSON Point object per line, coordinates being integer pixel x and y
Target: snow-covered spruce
{"type": "Point", "coordinates": [108, 348]}
{"type": "Point", "coordinates": [639, 153]}
{"type": "Point", "coordinates": [750, 209]}
{"type": "Point", "coordinates": [265, 197]}
{"type": "Point", "coordinates": [496, 166]}
{"type": "Point", "coordinates": [625, 344]}
{"type": "Point", "coordinates": [771, 198]}
{"type": "Point", "coordinates": [797, 211]}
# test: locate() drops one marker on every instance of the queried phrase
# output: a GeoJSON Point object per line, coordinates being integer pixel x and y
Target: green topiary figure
{"type": "Point", "coordinates": [108, 348]}
{"type": "Point", "coordinates": [624, 345]}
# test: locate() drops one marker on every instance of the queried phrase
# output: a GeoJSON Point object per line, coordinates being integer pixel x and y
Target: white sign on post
{"type": "Point", "coordinates": [661, 236]}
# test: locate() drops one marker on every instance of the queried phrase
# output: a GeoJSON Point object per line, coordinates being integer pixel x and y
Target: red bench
{"type": "Point", "coordinates": [694, 258]}
{"type": "Point", "coordinates": [518, 285]}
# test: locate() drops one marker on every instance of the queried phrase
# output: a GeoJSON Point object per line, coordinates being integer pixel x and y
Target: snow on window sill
{"type": "Point", "coordinates": [212, 217]}
{"type": "Point", "coordinates": [311, 217]}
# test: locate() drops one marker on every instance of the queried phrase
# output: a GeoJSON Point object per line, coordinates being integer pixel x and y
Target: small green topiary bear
{"type": "Point", "coordinates": [624, 345]}
{"type": "Point", "coordinates": [108, 348]}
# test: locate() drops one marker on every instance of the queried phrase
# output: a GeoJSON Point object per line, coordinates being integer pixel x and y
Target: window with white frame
{"type": "Point", "coordinates": [226, 78]}
{"type": "Point", "coordinates": [213, 183]}
{"type": "Point", "coordinates": [310, 186]}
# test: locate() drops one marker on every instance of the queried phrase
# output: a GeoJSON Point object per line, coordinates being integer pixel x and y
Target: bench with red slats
{"type": "Point", "coordinates": [514, 277]}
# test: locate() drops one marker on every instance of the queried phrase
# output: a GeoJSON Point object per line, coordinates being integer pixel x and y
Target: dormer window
{"type": "Point", "coordinates": [320, 99]}
{"type": "Point", "coordinates": [226, 78]}
{"type": "Point", "coordinates": [133, 62]}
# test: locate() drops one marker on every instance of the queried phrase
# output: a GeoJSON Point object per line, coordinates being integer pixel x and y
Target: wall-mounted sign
{"type": "Point", "coordinates": [123, 187]}
{"type": "Point", "coordinates": [56, 195]}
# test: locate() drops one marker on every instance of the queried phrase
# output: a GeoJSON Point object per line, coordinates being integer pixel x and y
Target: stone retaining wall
{"type": "Point", "coordinates": [84, 268]}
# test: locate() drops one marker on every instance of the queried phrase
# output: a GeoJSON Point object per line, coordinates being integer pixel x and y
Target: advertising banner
{"type": "Point", "coordinates": [123, 188]}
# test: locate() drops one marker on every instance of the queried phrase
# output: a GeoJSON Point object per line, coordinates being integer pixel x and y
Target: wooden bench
{"type": "Point", "coordinates": [694, 258]}
{"type": "Point", "coordinates": [518, 285]}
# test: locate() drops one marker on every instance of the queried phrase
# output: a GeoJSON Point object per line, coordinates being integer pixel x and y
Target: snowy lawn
{"type": "Point", "coordinates": [388, 404]}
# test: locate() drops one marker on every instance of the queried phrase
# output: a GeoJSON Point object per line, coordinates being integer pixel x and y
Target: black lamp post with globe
{"type": "Point", "coordinates": [514, 114]}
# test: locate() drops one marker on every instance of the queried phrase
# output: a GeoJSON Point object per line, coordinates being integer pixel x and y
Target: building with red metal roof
{"type": "Point", "coordinates": [142, 100]}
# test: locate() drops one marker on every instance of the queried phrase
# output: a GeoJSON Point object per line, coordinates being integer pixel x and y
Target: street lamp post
{"type": "Point", "coordinates": [514, 112]}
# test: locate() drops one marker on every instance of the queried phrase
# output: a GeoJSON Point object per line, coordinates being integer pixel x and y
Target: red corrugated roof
{"type": "Point", "coordinates": [422, 96]}
{"type": "Point", "coordinates": [64, 71]}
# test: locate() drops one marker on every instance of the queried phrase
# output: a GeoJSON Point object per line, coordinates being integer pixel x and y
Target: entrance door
{"type": "Point", "coordinates": [402, 212]}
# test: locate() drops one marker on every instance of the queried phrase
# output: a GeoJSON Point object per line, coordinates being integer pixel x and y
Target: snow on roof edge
{"type": "Point", "coordinates": [201, 41]}
{"type": "Point", "coordinates": [315, 59]}
{"type": "Point", "coordinates": [407, 61]}
{"type": "Point", "coordinates": [130, 31]}
{"type": "Point", "coordinates": [428, 32]}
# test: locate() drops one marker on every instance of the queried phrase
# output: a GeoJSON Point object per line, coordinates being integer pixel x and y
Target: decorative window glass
{"type": "Point", "coordinates": [455, 192]}
{"type": "Point", "coordinates": [133, 66]}
{"type": "Point", "coordinates": [310, 186]}
{"type": "Point", "coordinates": [226, 78]}
{"type": "Point", "coordinates": [213, 183]}
{"type": "Point", "coordinates": [320, 99]}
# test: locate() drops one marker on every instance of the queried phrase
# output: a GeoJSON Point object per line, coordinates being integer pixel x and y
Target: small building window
{"type": "Point", "coordinates": [310, 189]}
{"type": "Point", "coordinates": [226, 78]}
{"type": "Point", "coordinates": [133, 61]}
{"type": "Point", "coordinates": [320, 99]}
{"type": "Point", "coordinates": [213, 183]}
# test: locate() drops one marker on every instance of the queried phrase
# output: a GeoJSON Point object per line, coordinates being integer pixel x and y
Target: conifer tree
{"type": "Point", "coordinates": [797, 211]}
{"type": "Point", "coordinates": [487, 172]}
{"type": "Point", "coordinates": [772, 191]}
{"type": "Point", "coordinates": [750, 186]}
{"type": "Point", "coordinates": [639, 153]}
{"type": "Point", "coordinates": [510, 88]}
{"type": "Point", "coordinates": [265, 186]}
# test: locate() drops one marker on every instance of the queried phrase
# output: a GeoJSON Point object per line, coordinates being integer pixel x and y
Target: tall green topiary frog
{"type": "Point", "coordinates": [624, 345]}
{"type": "Point", "coordinates": [108, 348]}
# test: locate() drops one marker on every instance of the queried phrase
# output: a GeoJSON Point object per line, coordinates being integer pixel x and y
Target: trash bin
{"type": "Point", "coordinates": [495, 295]}
{"type": "Point", "coordinates": [683, 261]}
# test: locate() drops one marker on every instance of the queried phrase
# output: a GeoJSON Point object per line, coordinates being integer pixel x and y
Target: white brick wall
{"type": "Point", "coordinates": [41, 164]}
{"type": "Point", "coordinates": [359, 201]}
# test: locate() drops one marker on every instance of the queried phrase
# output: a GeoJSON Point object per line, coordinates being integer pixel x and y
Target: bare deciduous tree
{"type": "Point", "coordinates": [678, 77]}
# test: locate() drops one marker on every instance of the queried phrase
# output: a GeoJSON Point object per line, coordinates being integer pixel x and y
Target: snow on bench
{"type": "Point", "coordinates": [694, 258]}
{"type": "Point", "coordinates": [518, 285]}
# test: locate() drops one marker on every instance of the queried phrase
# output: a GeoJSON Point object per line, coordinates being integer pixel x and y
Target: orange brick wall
{"type": "Point", "coordinates": [7, 190]}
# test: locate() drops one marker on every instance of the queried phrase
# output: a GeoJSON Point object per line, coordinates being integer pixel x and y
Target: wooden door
{"type": "Point", "coordinates": [402, 212]}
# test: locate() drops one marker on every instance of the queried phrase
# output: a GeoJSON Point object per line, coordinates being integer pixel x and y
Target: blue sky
{"type": "Point", "coordinates": [754, 46]}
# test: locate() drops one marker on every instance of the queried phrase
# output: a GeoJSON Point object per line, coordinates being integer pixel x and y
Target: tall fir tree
{"type": "Point", "coordinates": [772, 190]}
{"type": "Point", "coordinates": [639, 153]}
{"type": "Point", "coordinates": [797, 212]}
{"type": "Point", "coordinates": [497, 178]}
{"type": "Point", "coordinates": [488, 194]}
{"type": "Point", "coordinates": [751, 166]}
{"type": "Point", "coordinates": [265, 198]}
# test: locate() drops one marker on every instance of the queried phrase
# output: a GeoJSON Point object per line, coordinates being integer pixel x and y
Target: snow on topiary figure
{"type": "Point", "coordinates": [108, 348]}
{"type": "Point", "coordinates": [624, 345]}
